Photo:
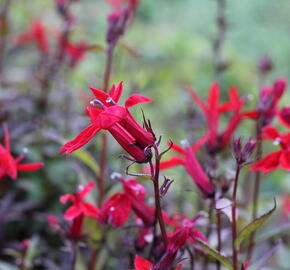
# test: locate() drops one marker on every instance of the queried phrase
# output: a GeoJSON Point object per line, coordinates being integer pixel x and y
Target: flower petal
{"type": "Point", "coordinates": [270, 132]}
{"type": "Point", "coordinates": [172, 162]}
{"type": "Point", "coordinates": [136, 99]}
{"type": "Point", "coordinates": [176, 148]}
{"type": "Point", "coordinates": [110, 116]}
{"type": "Point", "coordinates": [116, 92]}
{"type": "Point", "coordinates": [268, 163]}
{"type": "Point", "coordinates": [72, 212]}
{"type": "Point", "coordinates": [100, 95]}
{"type": "Point", "coordinates": [67, 197]}
{"type": "Point", "coordinates": [6, 137]}
{"type": "Point", "coordinates": [213, 96]}
{"type": "Point", "coordinates": [29, 167]}
{"type": "Point", "coordinates": [85, 190]}
{"type": "Point", "coordinates": [93, 113]}
{"type": "Point", "coordinates": [196, 99]}
{"type": "Point", "coordinates": [285, 160]}
{"type": "Point", "coordinates": [142, 264]}
{"type": "Point", "coordinates": [116, 210]}
{"type": "Point", "coordinates": [83, 138]}
{"type": "Point", "coordinates": [89, 209]}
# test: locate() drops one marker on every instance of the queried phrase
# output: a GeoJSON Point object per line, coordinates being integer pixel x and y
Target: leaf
{"type": "Point", "coordinates": [95, 48]}
{"type": "Point", "coordinates": [7, 266]}
{"type": "Point", "coordinates": [87, 159]}
{"type": "Point", "coordinates": [257, 223]}
{"type": "Point", "coordinates": [214, 253]}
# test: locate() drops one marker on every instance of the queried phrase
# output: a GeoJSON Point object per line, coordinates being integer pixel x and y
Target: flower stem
{"type": "Point", "coordinates": [219, 247]}
{"type": "Point", "coordinates": [234, 221]}
{"type": "Point", "coordinates": [219, 40]}
{"type": "Point", "coordinates": [3, 34]}
{"type": "Point", "coordinates": [155, 179]}
{"type": "Point", "coordinates": [256, 189]}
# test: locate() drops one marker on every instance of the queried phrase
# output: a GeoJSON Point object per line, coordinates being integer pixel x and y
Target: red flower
{"type": "Point", "coordinates": [37, 33]}
{"type": "Point", "coordinates": [79, 208]}
{"type": "Point", "coordinates": [106, 114]}
{"type": "Point", "coordinates": [191, 165]}
{"type": "Point", "coordinates": [116, 210]}
{"type": "Point", "coordinates": [212, 111]}
{"type": "Point", "coordinates": [268, 102]}
{"type": "Point", "coordinates": [10, 165]}
{"type": "Point", "coordinates": [276, 159]}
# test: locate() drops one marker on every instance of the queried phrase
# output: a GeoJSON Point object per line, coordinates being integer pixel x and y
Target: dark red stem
{"type": "Point", "coordinates": [256, 188]}
{"type": "Point", "coordinates": [234, 220]}
{"type": "Point", "coordinates": [155, 179]}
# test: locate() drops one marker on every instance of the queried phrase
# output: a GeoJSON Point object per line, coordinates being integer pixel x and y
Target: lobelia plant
{"type": "Point", "coordinates": [140, 223]}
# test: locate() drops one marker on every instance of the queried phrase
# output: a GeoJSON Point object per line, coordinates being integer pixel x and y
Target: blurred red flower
{"type": "Point", "coordinates": [116, 210]}
{"type": "Point", "coordinates": [212, 111]}
{"type": "Point", "coordinates": [38, 34]}
{"type": "Point", "coordinates": [10, 165]}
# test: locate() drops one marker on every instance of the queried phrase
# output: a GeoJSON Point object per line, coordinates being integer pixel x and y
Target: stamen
{"type": "Point", "coordinates": [97, 104]}
{"type": "Point", "coordinates": [109, 100]}
{"type": "Point", "coordinates": [115, 176]}
{"type": "Point", "coordinates": [277, 141]}
{"type": "Point", "coordinates": [185, 143]}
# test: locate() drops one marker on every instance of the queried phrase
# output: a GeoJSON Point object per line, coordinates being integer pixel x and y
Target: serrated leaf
{"type": "Point", "coordinates": [87, 159]}
{"type": "Point", "coordinates": [214, 253]}
{"type": "Point", "coordinates": [254, 225]}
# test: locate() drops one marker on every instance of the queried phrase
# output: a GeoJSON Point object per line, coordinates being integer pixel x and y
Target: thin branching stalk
{"type": "Point", "coordinates": [219, 64]}
{"type": "Point", "coordinates": [219, 240]}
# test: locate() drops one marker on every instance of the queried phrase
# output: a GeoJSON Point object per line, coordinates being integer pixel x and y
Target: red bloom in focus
{"type": "Point", "coordinates": [106, 114]}
{"type": "Point", "coordinates": [10, 165]}
{"type": "Point", "coordinates": [276, 159]}
{"type": "Point", "coordinates": [79, 208]}
{"type": "Point", "coordinates": [212, 111]}
{"type": "Point", "coordinates": [116, 210]}
{"type": "Point", "coordinates": [38, 34]}
{"type": "Point", "coordinates": [142, 264]}
{"type": "Point", "coordinates": [191, 165]}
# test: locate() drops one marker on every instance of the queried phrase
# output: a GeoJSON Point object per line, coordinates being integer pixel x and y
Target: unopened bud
{"type": "Point", "coordinates": [165, 186]}
{"type": "Point", "coordinates": [265, 64]}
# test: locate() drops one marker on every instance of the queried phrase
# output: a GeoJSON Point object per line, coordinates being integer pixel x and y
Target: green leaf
{"type": "Point", "coordinates": [214, 253]}
{"type": "Point", "coordinates": [87, 159]}
{"type": "Point", "coordinates": [254, 225]}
